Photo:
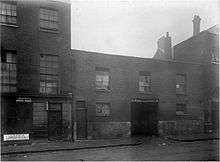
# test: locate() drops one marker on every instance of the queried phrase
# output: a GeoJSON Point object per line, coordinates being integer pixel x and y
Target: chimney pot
{"type": "Point", "coordinates": [167, 34]}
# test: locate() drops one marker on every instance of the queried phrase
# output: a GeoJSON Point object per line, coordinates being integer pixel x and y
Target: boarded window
{"type": "Point", "coordinates": [102, 109]}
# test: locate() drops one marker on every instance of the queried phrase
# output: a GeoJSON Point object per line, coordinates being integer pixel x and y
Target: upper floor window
{"type": "Point", "coordinates": [48, 19]}
{"type": "Point", "coordinates": [8, 71]}
{"type": "Point", "coordinates": [145, 82]}
{"type": "Point", "coordinates": [181, 84]}
{"type": "Point", "coordinates": [215, 55]}
{"type": "Point", "coordinates": [49, 74]}
{"type": "Point", "coordinates": [102, 79]}
{"type": "Point", "coordinates": [8, 12]}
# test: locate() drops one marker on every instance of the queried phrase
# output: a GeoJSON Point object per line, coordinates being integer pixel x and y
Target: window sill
{"type": "Point", "coordinates": [9, 25]}
{"type": "Point", "coordinates": [147, 93]}
{"type": "Point", "coordinates": [184, 114]}
{"type": "Point", "coordinates": [49, 31]}
{"type": "Point", "coordinates": [181, 94]}
{"type": "Point", "coordinates": [103, 90]}
{"type": "Point", "coordinates": [215, 62]}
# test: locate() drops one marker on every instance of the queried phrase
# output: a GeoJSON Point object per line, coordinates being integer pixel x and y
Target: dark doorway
{"type": "Point", "coordinates": [144, 118]}
{"type": "Point", "coordinates": [81, 120]}
{"type": "Point", "coordinates": [55, 121]}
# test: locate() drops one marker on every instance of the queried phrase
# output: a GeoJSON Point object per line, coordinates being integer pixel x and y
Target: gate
{"type": "Point", "coordinates": [144, 118]}
{"type": "Point", "coordinates": [55, 121]}
{"type": "Point", "coordinates": [81, 120]}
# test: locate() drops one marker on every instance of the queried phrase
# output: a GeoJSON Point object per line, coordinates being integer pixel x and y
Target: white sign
{"type": "Point", "coordinates": [20, 99]}
{"type": "Point", "coordinates": [13, 137]}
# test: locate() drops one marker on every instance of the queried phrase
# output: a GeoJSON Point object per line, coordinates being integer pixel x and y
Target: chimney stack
{"type": "Point", "coordinates": [165, 45]}
{"type": "Point", "coordinates": [196, 24]}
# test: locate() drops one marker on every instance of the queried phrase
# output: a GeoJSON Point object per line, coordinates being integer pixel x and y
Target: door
{"type": "Point", "coordinates": [81, 120]}
{"type": "Point", "coordinates": [55, 121]}
{"type": "Point", "coordinates": [143, 118]}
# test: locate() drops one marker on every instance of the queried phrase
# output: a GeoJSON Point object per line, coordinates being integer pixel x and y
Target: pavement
{"type": "Point", "coordinates": [50, 146]}
{"type": "Point", "coordinates": [194, 137]}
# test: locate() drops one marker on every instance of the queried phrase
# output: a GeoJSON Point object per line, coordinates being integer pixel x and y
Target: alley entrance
{"type": "Point", "coordinates": [143, 118]}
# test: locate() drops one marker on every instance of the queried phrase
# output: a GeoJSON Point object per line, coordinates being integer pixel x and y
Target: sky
{"type": "Point", "coordinates": [132, 27]}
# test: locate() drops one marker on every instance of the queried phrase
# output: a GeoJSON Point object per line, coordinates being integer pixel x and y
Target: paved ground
{"type": "Point", "coordinates": [151, 149]}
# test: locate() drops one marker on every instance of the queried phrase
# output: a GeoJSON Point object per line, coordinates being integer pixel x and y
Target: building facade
{"type": "Point", "coordinates": [50, 91]}
{"type": "Point", "coordinates": [36, 99]}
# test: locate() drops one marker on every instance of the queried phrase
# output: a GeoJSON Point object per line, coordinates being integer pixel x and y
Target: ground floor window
{"type": "Point", "coordinates": [102, 109]}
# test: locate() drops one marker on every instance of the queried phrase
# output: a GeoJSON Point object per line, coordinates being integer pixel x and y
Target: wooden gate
{"type": "Point", "coordinates": [144, 118]}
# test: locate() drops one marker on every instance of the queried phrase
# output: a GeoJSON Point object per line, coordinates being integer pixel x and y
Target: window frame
{"type": "Point", "coordinates": [101, 71]}
{"type": "Point", "coordinates": [103, 114]}
{"type": "Point", "coordinates": [11, 14]}
{"type": "Point", "coordinates": [179, 112]}
{"type": "Point", "coordinates": [48, 29]}
{"type": "Point", "coordinates": [178, 92]}
{"type": "Point", "coordinates": [44, 76]}
{"type": "Point", "coordinates": [145, 74]}
{"type": "Point", "coordinates": [11, 73]}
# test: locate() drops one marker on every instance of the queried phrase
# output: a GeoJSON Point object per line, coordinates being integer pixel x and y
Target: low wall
{"type": "Point", "coordinates": [98, 130]}
{"type": "Point", "coordinates": [180, 127]}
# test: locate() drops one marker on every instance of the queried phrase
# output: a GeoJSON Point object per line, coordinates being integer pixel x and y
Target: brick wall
{"type": "Point", "coordinates": [124, 72]}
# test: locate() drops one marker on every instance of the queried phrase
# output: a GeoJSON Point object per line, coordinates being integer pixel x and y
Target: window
{"type": "Point", "coordinates": [145, 82]}
{"type": "Point", "coordinates": [80, 104]}
{"type": "Point", "coordinates": [8, 13]}
{"type": "Point", "coordinates": [215, 55]}
{"type": "Point", "coordinates": [102, 109]}
{"type": "Point", "coordinates": [102, 79]}
{"type": "Point", "coordinates": [181, 84]}
{"type": "Point", "coordinates": [49, 74]}
{"type": "Point", "coordinates": [48, 19]}
{"type": "Point", "coordinates": [8, 71]}
{"type": "Point", "coordinates": [180, 109]}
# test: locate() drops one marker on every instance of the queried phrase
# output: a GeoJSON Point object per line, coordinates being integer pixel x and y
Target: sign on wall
{"type": "Point", "coordinates": [14, 137]}
{"type": "Point", "coordinates": [23, 99]}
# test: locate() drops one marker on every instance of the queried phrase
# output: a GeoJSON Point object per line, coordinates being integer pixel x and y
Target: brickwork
{"type": "Point", "coordinates": [29, 41]}
{"type": "Point", "coordinates": [124, 72]}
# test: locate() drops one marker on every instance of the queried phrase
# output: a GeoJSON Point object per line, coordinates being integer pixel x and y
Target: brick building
{"type": "Point", "coordinates": [51, 91]}
{"type": "Point", "coordinates": [35, 41]}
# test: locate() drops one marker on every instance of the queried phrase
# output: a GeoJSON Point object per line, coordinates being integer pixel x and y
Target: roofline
{"type": "Point", "coordinates": [200, 33]}
{"type": "Point", "coordinates": [130, 57]}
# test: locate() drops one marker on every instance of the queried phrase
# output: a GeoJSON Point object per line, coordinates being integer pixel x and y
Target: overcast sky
{"type": "Point", "coordinates": [132, 27]}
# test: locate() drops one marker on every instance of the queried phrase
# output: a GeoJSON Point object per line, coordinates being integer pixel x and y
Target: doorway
{"type": "Point", "coordinates": [144, 118]}
{"type": "Point", "coordinates": [81, 120]}
{"type": "Point", "coordinates": [55, 121]}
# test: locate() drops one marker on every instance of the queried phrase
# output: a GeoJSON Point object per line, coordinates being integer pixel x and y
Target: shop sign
{"type": "Point", "coordinates": [21, 99]}
{"type": "Point", "coordinates": [14, 137]}
{"type": "Point", "coordinates": [144, 100]}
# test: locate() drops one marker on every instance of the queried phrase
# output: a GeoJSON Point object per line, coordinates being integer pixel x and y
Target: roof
{"type": "Point", "coordinates": [96, 54]}
{"type": "Point", "coordinates": [214, 29]}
